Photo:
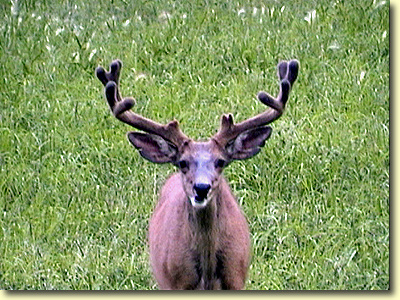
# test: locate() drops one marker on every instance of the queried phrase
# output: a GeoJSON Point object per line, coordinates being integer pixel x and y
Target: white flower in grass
{"type": "Point", "coordinates": [379, 4]}
{"type": "Point", "coordinates": [362, 76]}
{"type": "Point", "coordinates": [334, 46]}
{"type": "Point", "coordinates": [311, 16]}
{"type": "Point", "coordinates": [140, 76]}
{"type": "Point", "coordinates": [59, 30]}
{"type": "Point", "coordinates": [164, 16]}
{"type": "Point", "coordinates": [92, 54]}
{"type": "Point", "coordinates": [14, 7]}
{"type": "Point", "coordinates": [384, 34]}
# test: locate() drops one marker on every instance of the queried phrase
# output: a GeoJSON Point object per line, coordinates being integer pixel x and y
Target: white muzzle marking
{"type": "Point", "coordinates": [198, 203]}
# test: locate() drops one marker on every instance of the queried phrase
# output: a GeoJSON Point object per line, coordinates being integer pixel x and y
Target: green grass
{"type": "Point", "coordinates": [75, 198]}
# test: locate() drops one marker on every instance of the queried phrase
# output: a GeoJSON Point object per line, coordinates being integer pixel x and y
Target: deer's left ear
{"type": "Point", "coordinates": [153, 147]}
{"type": "Point", "coordinates": [248, 143]}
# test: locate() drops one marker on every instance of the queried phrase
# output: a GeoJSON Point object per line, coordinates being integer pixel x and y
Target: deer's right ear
{"type": "Point", "coordinates": [153, 147]}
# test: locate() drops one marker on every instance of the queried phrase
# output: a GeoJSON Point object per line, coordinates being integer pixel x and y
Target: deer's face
{"type": "Point", "coordinates": [201, 164]}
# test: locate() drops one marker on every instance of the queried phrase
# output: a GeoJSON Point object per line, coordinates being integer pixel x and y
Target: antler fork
{"type": "Point", "coordinates": [287, 73]}
{"type": "Point", "coordinates": [121, 108]}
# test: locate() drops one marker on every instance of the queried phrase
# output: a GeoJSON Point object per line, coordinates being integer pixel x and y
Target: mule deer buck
{"type": "Point", "coordinates": [198, 235]}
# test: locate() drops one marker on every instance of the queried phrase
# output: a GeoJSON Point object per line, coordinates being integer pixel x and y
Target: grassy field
{"type": "Point", "coordinates": [75, 198]}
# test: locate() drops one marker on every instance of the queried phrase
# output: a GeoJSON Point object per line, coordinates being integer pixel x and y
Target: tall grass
{"type": "Point", "coordinates": [75, 198]}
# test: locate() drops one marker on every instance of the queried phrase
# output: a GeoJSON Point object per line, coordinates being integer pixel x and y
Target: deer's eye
{"type": "Point", "coordinates": [220, 163]}
{"type": "Point", "coordinates": [183, 164]}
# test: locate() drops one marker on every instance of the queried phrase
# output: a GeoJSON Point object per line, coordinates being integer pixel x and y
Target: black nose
{"type": "Point", "coordinates": [202, 189]}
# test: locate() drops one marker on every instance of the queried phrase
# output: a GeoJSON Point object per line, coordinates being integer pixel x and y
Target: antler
{"type": "Point", "coordinates": [287, 72]}
{"type": "Point", "coordinates": [121, 108]}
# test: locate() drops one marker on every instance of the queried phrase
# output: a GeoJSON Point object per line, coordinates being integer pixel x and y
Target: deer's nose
{"type": "Point", "coordinates": [202, 189]}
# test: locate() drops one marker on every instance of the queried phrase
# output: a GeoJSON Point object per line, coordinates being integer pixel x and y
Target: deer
{"type": "Point", "coordinates": [198, 235]}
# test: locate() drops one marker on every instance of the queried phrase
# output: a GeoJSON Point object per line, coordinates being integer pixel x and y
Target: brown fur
{"type": "Point", "coordinates": [198, 249]}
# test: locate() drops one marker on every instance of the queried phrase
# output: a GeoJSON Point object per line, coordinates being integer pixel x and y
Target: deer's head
{"type": "Point", "coordinates": [200, 163]}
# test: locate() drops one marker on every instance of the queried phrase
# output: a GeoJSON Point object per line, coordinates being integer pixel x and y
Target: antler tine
{"type": "Point", "coordinates": [112, 75]}
{"type": "Point", "coordinates": [287, 73]}
{"type": "Point", "coordinates": [121, 108]}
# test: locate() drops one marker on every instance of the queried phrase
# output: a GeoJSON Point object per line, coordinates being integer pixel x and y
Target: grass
{"type": "Point", "coordinates": [75, 198]}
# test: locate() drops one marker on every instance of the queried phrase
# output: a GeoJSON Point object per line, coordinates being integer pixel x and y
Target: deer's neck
{"type": "Point", "coordinates": [204, 228]}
